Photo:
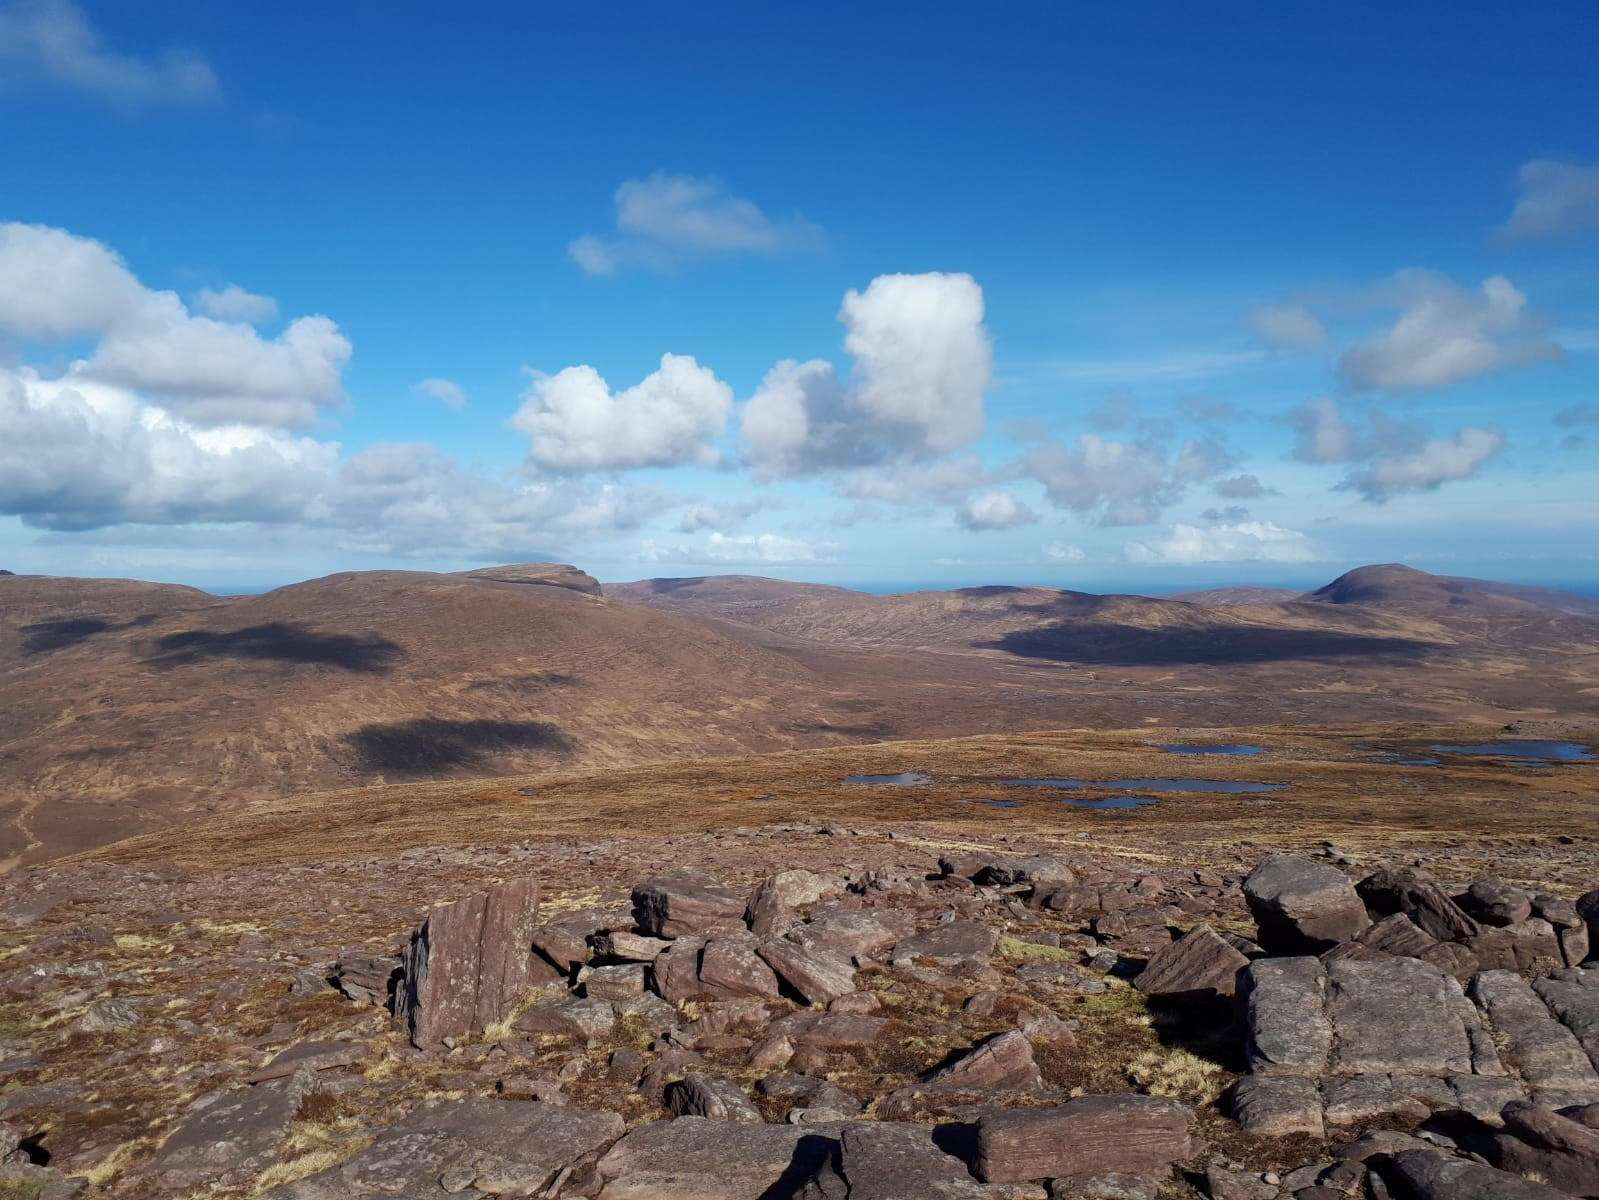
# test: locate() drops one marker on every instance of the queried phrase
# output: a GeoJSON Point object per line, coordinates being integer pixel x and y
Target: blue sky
{"type": "Point", "coordinates": [1131, 296]}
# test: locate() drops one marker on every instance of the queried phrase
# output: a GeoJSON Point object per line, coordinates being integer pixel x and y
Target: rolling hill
{"type": "Point", "coordinates": [127, 706]}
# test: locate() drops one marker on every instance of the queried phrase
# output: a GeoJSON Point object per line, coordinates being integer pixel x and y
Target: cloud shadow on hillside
{"type": "Point", "coordinates": [1133, 646]}
{"type": "Point", "coordinates": [429, 744]}
{"type": "Point", "coordinates": [279, 642]}
{"type": "Point", "coordinates": [45, 636]}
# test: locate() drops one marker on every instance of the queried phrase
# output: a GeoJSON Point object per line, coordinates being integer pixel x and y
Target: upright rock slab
{"type": "Point", "coordinates": [1302, 907]}
{"type": "Point", "coordinates": [469, 963]}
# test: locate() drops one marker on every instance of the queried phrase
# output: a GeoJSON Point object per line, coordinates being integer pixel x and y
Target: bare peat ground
{"type": "Point", "coordinates": [139, 977]}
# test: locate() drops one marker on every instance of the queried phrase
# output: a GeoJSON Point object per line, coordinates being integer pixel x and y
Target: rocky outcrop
{"type": "Point", "coordinates": [468, 964]}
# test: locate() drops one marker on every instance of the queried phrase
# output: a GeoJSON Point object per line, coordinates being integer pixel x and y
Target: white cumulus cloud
{"type": "Point", "coordinates": [1122, 482]}
{"type": "Point", "coordinates": [667, 219]}
{"type": "Point", "coordinates": [1247, 541]}
{"type": "Point", "coordinates": [1064, 552]}
{"type": "Point", "coordinates": [993, 510]}
{"type": "Point", "coordinates": [1445, 334]}
{"type": "Point", "coordinates": [55, 286]}
{"type": "Point", "coordinates": [922, 363]}
{"type": "Point", "coordinates": [577, 423]}
{"type": "Point", "coordinates": [1436, 462]}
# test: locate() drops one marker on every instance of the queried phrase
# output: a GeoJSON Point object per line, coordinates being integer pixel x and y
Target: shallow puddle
{"type": "Point", "coordinates": [1236, 751]}
{"type": "Point", "coordinates": [1229, 786]}
{"type": "Point", "coordinates": [1523, 753]}
{"type": "Point", "coordinates": [902, 779]}
{"type": "Point", "coordinates": [1112, 801]}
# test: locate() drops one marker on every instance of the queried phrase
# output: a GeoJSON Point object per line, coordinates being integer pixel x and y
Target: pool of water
{"type": "Point", "coordinates": [1524, 753]}
{"type": "Point", "coordinates": [902, 779]}
{"type": "Point", "coordinates": [1232, 750]}
{"type": "Point", "coordinates": [1228, 786]}
{"type": "Point", "coordinates": [1112, 801]}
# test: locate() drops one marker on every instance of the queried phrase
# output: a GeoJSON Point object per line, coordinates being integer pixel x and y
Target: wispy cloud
{"type": "Point", "coordinates": [665, 220]}
{"type": "Point", "coordinates": [53, 42]}
{"type": "Point", "coordinates": [1175, 365]}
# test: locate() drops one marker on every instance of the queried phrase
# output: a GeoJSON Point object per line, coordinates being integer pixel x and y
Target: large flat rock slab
{"type": "Point", "coordinates": [1543, 1051]}
{"type": "Point", "coordinates": [1124, 1133]}
{"type": "Point", "coordinates": [494, 1146]}
{"type": "Point", "coordinates": [1395, 1015]}
{"type": "Point", "coordinates": [692, 1158]}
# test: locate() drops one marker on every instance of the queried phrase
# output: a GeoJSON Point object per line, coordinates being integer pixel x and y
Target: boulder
{"type": "Point", "coordinates": [1199, 964]}
{"type": "Point", "coordinates": [1587, 906]}
{"type": "Point", "coordinates": [228, 1135]}
{"type": "Point", "coordinates": [1573, 997]}
{"type": "Point", "coordinates": [1434, 1175]}
{"type": "Point", "coordinates": [1495, 902]}
{"type": "Point", "coordinates": [855, 935]}
{"type": "Point", "coordinates": [368, 979]}
{"type": "Point", "coordinates": [773, 906]}
{"type": "Point", "coordinates": [1277, 1105]}
{"type": "Point", "coordinates": [1367, 1098]}
{"type": "Point", "coordinates": [1002, 1062]}
{"type": "Point", "coordinates": [818, 976]}
{"type": "Point", "coordinates": [587, 1020]}
{"type": "Point", "coordinates": [1124, 1132]}
{"type": "Point", "coordinates": [1418, 896]}
{"type": "Point", "coordinates": [564, 947]}
{"type": "Point", "coordinates": [700, 1095]}
{"type": "Point", "coordinates": [468, 965]}
{"type": "Point", "coordinates": [675, 973]}
{"type": "Point", "coordinates": [309, 1056]}
{"type": "Point", "coordinates": [619, 982]}
{"type": "Point", "coordinates": [1302, 906]}
{"type": "Point", "coordinates": [951, 942]}
{"type": "Point", "coordinates": [1515, 947]}
{"type": "Point", "coordinates": [617, 945]}
{"type": "Point", "coordinates": [730, 967]}
{"type": "Point", "coordinates": [1536, 1142]}
{"type": "Point", "coordinates": [673, 907]}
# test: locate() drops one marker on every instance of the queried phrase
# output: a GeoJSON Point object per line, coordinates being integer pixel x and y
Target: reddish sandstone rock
{"type": "Point", "coordinates": [1198, 963]}
{"type": "Point", "coordinates": [673, 907]}
{"type": "Point", "coordinates": [468, 964]}
{"type": "Point", "coordinates": [1090, 1135]}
